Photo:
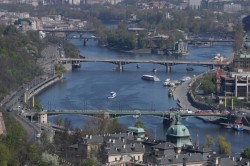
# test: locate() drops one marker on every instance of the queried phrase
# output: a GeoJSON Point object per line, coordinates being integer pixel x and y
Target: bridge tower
{"type": "Point", "coordinates": [43, 117]}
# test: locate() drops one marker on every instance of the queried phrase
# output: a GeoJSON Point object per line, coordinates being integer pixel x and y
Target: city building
{"type": "Point", "coordinates": [242, 61]}
{"type": "Point", "coordinates": [180, 48]}
{"type": "Point", "coordinates": [179, 135]}
{"type": "Point", "coordinates": [235, 85]}
{"type": "Point", "coordinates": [195, 4]}
{"type": "Point", "coordinates": [232, 8]}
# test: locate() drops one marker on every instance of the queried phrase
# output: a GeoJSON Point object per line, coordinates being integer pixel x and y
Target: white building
{"type": "Point", "coordinates": [232, 8]}
{"type": "Point", "coordinates": [195, 4]}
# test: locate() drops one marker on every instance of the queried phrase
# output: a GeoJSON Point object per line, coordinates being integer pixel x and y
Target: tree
{"type": "Point", "coordinates": [139, 124]}
{"type": "Point", "coordinates": [90, 162]}
{"type": "Point", "coordinates": [49, 159]}
{"type": "Point", "coordinates": [115, 127]}
{"type": "Point", "coordinates": [224, 146]}
{"type": "Point", "coordinates": [246, 153]}
{"type": "Point", "coordinates": [209, 141]}
{"type": "Point", "coordinates": [4, 155]}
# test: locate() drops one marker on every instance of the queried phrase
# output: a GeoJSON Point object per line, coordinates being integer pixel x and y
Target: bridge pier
{"type": "Point", "coordinates": [168, 68]}
{"type": "Point", "coordinates": [84, 42]}
{"type": "Point", "coordinates": [120, 66]}
{"type": "Point", "coordinates": [168, 120]}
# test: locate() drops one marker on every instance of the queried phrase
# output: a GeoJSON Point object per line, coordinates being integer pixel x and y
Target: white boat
{"type": "Point", "coordinates": [184, 79]}
{"type": "Point", "coordinates": [112, 95]}
{"type": "Point", "coordinates": [219, 57]}
{"type": "Point", "coordinates": [167, 82]}
{"type": "Point", "coordinates": [150, 78]}
{"type": "Point", "coordinates": [136, 116]}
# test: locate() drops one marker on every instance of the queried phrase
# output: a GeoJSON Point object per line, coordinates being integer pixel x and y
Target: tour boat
{"type": "Point", "coordinates": [112, 95]}
{"type": "Point", "coordinates": [150, 78]}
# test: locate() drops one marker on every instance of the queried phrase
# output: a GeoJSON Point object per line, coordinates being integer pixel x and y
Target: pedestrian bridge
{"type": "Point", "coordinates": [167, 63]}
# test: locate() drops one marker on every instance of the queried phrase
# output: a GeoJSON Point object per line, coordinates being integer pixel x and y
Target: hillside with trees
{"type": "Point", "coordinates": [18, 55]}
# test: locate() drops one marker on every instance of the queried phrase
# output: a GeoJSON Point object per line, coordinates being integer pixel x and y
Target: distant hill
{"type": "Point", "coordinates": [246, 23]}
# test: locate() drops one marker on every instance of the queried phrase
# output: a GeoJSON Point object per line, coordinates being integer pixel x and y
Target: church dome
{"type": "Point", "coordinates": [178, 130]}
{"type": "Point", "coordinates": [178, 134]}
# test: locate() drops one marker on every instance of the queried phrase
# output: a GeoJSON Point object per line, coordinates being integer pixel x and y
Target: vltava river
{"type": "Point", "coordinates": [89, 87]}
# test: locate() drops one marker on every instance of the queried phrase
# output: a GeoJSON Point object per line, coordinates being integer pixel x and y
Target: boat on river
{"type": "Point", "coordinates": [189, 68]}
{"type": "Point", "coordinates": [150, 78]}
{"type": "Point", "coordinates": [238, 127]}
{"type": "Point", "coordinates": [186, 78]}
{"type": "Point", "coordinates": [112, 95]}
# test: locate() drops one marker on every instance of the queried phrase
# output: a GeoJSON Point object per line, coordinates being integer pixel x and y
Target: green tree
{"type": "Point", "coordinates": [209, 141]}
{"type": "Point", "coordinates": [49, 159]}
{"type": "Point", "coordinates": [115, 127]}
{"type": "Point", "coordinates": [246, 153]}
{"type": "Point", "coordinates": [5, 155]}
{"type": "Point", "coordinates": [139, 124]}
{"type": "Point", "coordinates": [90, 162]}
{"type": "Point", "coordinates": [224, 146]}
{"type": "Point", "coordinates": [207, 86]}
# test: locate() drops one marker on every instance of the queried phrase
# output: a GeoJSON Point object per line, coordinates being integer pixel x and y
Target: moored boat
{"type": "Point", "coordinates": [238, 127]}
{"type": "Point", "coordinates": [150, 78]}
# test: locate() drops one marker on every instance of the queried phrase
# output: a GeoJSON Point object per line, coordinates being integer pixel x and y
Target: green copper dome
{"type": "Point", "coordinates": [178, 134]}
{"type": "Point", "coordinates": [178, 130]}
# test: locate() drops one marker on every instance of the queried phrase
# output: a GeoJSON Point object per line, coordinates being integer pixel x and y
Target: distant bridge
{"type": "Point", "coordinates": [69, 30]}
{"type": "Point", "coordinates": [167, 63]}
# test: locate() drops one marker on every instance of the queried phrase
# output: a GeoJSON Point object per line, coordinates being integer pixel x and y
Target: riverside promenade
{"type": "Point", "coordinates": [180, 95]}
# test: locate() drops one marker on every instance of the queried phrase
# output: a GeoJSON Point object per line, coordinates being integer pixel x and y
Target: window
{"type": "Point", "coordinates": [138, 157]}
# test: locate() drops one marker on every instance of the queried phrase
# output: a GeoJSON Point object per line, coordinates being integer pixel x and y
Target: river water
{"type": "Point", "coordinates": [89, 87]}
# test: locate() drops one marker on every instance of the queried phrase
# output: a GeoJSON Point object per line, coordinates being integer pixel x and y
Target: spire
{"type": "Point", "coordinates": [177, 119]}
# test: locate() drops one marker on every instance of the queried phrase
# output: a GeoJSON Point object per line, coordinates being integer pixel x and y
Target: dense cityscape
{"type": "Point", "coordinates": [124, 82]}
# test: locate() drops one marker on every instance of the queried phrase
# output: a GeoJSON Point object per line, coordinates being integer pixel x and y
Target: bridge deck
{"type": "Point", "coordinates": [127, 112]}
{"type": "Point", "coordinates": [215, 63]}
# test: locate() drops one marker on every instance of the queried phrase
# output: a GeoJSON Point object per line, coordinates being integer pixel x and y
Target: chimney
{"type": "Point", "coordinates": [240, 158]}
{"type": "Point", "coordinates": [87, 136]}
{"type": "Point", "coordinates": [233, 158]}
{"type": "Point", "coordinates": [90, 136]}
{"type": "Point", "coordinates": [176, 156]}
{"type": "Point", "coordinates": [124, 146]}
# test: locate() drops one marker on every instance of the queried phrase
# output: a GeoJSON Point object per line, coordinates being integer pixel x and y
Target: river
{"type": "Point", "coordinates": [89, 87]}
